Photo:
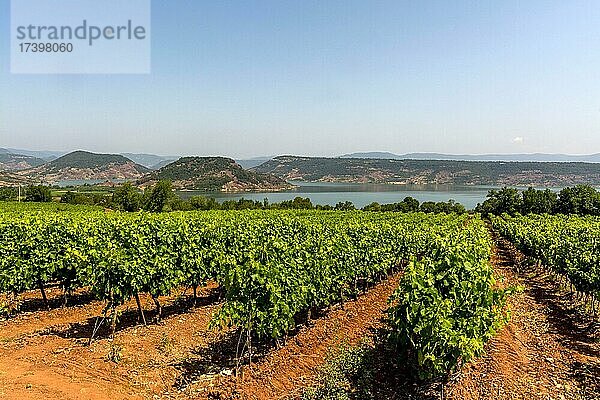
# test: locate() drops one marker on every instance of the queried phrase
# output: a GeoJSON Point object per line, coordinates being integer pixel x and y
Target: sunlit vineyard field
{"type": "Point", "coordinates": [271, 266]}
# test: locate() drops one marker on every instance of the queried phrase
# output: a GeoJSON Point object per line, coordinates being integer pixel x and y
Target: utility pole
{"type": "Point", "coordinates": [19, 196]}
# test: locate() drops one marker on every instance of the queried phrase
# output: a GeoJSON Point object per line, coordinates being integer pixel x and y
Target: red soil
{"type": "Point", "coordinates": [550, 349]}
{"type": "Point", "coordinates": [44, 354]}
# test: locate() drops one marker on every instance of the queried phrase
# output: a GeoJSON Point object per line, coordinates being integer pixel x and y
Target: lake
{"type": "Point", "coordinates": [360, 194]}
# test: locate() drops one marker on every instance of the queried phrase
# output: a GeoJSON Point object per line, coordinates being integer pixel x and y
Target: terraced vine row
{"type": "Point", "coordinates": [271, 265]}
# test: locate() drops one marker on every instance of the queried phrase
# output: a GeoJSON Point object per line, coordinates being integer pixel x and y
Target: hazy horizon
{"type": "Point", "coordinates": [264, 156]}
{"type": "Point", "coordinates": [247, 79]}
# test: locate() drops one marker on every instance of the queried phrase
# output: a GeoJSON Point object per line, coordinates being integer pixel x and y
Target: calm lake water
{"type": "Point", "coordinates": [361, 194]}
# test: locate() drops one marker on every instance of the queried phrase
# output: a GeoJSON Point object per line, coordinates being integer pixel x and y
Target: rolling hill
{"type": "Point", "coordinates": [14, 162]}
{"type": "Point", "coordinates": [214, 174]}
{"type": "Point", "coordinates": [83, 165]}
{"type": "Point", "coordinates": [361, 170]}
{"type": "Point", "coordinates": [45, 155]}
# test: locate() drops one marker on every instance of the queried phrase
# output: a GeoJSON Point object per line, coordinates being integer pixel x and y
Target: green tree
{"type": "Point", "coordinates": [323, 207]}
{"type": "Point", "coordinates": [538, 201]}
{"type": "Point", "coordinates": [446, 207]}
{"type": "Point", "coordinates": [157, 198]}
{"type": "Point", "coordinates": [76, 198]}
{"type": "Point", "coordinates": [299, 203]}
{"type": "Point", "coordinates": [178, 204]}
{"type": "Point", "coordinates": [505, 200]}
{"type": "Point", "coordinates": [101, 200]}
{"type": "Point", "coordinates": [345, 206]}
{"type": "Point", "coordinates": [8, 194]}
{"type": "Point", "coordinates": [203, 203]}
{"type": "Point", "coordinates": [127, 198]}
{"type": "Point", "coordinates": [581, 199]}
{"type": "Point", "coordinates": [38, 194]}
{"type": "Point", "coordinates": [452, 206]}
{"type": "Point", "coordinates": [375, 206]}
{"type": "Point", "coordinates": [429, 207]}
{"type": "Point", "coordinates": [409, 204]}
{"type": "Point", "coordinates": [245, 204]}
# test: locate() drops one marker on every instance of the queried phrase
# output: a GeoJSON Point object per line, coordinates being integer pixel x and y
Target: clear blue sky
{"type": "Point", "coordinates": [250, 78]}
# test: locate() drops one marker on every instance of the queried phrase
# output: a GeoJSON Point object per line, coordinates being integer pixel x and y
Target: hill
{"type": "Point", "coordinates": [41, 154]}
{"type": "Point", "coordinates": [214, 174]}
{"type": "Point", "coordinates": [14, 162]}
{"type": "Point", "coordinates": [11, 179]}
{"type": "Point", "coordinates": [359, 170]}
{"type": "Point", "coordinates": [83, 165]}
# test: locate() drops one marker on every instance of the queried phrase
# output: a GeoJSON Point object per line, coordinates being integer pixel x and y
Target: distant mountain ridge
{"type": "Point", "coordinates": [266, 174]}
{"type": "Point", "coordinates": [253, 162]}
{"type": "Point", "coordinates": [214, 174]}
{"type": "Point", "coordinates": [151, 161]}
{"type": "Point", "coordinates": [531, 157]}
{"type": "Point", "coordinates": [154, 161]}
{"type": "Point", "coordinates": [406, 171]}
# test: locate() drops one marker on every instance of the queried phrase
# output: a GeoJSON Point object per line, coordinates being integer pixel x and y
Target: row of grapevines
{"type": "Point", "coordinates": [272, 265]}
{"type": "Point", "coordinates": [116, 255]}
{"type": "Point", "coordinates": [289, 267]}
{"type": "Point", "coordinates": [447, 305]}
{"type": "Point", "coordinates": [570, 245]}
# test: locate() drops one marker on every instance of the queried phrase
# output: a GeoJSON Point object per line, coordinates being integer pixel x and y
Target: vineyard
{"type": "Point", "coordinates": [274, 275]}
{"type": "Point", "coordinates": [271, 267]}
{"type": "Point", "coordinates": [568, 245]}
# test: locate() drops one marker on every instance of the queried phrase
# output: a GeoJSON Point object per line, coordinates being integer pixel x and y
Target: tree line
{"type": "Point", "coordinates": [162, 198]}
{"type": "Point", "coordinates": [579, 200]}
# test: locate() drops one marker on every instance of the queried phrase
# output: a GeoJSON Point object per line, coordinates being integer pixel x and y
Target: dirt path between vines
{"type": "Point", "coordinates": [550, 349]}
{"type": "Point", "coordinates": [282, 373]}
{"type": "Point", "coordinates": [44, 354]}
